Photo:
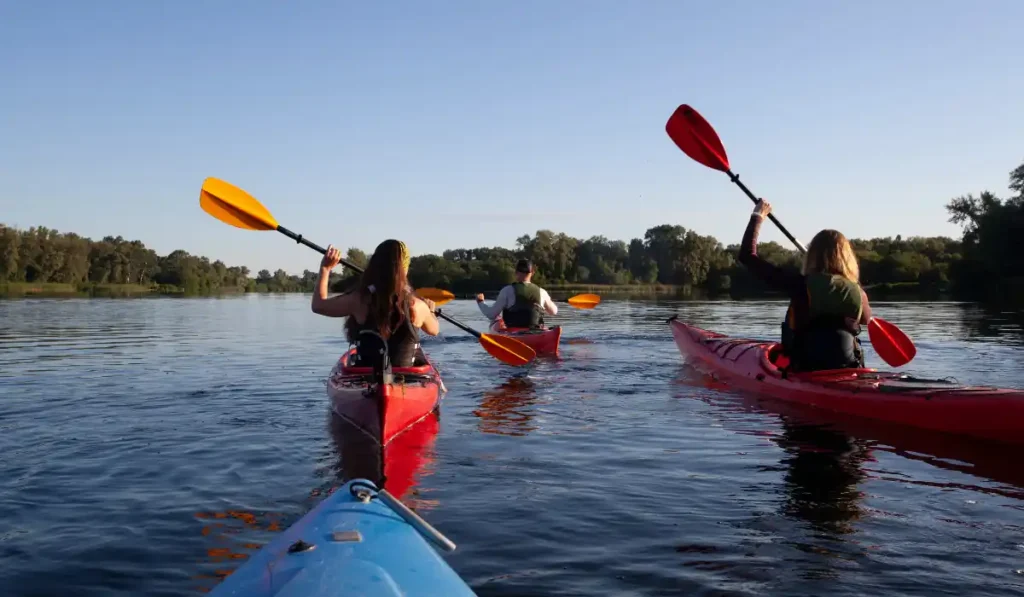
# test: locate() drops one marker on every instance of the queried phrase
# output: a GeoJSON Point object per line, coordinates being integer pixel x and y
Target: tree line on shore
{"type": "Point", "coordinates": [987, 262]}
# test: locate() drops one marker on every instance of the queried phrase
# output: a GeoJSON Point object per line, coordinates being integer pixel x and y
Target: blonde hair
{"type": "Point", "coordinates": [830, 253]}
{"type": "Point", "coordinates": [404, 252]}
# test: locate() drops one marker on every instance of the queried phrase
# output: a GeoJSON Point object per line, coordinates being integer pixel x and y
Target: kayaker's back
{"type": "Point", "coordinates": [525, 311]}
{"type": "Point", "coordinates": [827, 303]}
{"type": "Point", "coordinates": [821, 327]}
{"type": "Point", "coordinates": [401, 348]}
{"type": "Point", "coordinates": [521, 304]}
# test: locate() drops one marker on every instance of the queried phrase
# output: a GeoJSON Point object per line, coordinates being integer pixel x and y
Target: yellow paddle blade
{"type": "Point", "coordinates": [507, 350]}
{"type": "Point", "coordinates": [232, 205]}
{"type": "Point", "coordinates": [437, 295]}
{"type": "Point", "coordinates": [584, 301]}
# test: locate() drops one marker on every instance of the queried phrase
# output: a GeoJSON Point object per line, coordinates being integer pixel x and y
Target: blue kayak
{"type": "Point", "coordinates": [357, 541]}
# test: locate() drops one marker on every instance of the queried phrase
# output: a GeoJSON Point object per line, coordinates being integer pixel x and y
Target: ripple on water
{"type": "Point", "coordinates": [151, 446]}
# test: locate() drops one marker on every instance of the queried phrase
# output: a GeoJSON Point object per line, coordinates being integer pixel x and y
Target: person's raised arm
{"type": "Point", "coordinates": [337, 306]}
{"type": "Point", "coordinates": [423, 316]}
{"type": "Point", "coordinates": [767, 271]}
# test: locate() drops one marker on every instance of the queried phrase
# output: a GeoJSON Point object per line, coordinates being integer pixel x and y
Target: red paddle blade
{"type": "Point", "coordinates": [890, 342]}
{"type": "Point", "coordinates": [696, 138]}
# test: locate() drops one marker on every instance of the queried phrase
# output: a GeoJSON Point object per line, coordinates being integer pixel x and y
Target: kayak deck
{"type": "Point", "coordinates": [936, 404]}
{"type": "Point", "coordinates": [351, 543]}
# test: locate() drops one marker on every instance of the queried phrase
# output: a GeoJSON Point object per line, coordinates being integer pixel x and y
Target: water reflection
{"type": "Point", "coordinates": [226, 551]}
{"type": "Point", "coordinates": [578, 341]}
{"type": "Point", "coordinates": [397, 467]}
{"type": "Point", "coordinates": [987, 460]}
{"type": "Point", "coordinates": [823, 465]}
{"type": "Point", "coordinates": [823, 469]}
{"type": "Point", "coordinates": [847, 442]}
{"type": "Point", "coordinates": [505, 410]}
{"type": "Point", "coordinates": [992, 321]}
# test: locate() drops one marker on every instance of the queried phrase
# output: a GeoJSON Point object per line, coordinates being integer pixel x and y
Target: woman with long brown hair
{"type": "Point", "coordinates": [827, 304]}
{"type": "Point", "coordinates": [381, 310]}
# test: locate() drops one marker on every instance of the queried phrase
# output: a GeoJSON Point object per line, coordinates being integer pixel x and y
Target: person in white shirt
{"type": "Point", "coordinates": [520, 305]}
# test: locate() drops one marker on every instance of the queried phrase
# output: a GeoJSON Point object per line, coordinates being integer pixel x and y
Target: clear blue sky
{"type": "Point", "coordinates": [466, 123]}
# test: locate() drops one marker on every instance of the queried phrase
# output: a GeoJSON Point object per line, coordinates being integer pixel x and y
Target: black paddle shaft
{"type": "Point", "coordinates": [302, 241]}
{"type": "Point", "coordinates": [736, 179]}
{"type": "Point", "coordinates": [457, 323]}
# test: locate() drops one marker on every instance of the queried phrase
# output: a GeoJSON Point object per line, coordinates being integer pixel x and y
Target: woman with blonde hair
{"type": "Point", "coordinates": [827, 304]}
{"type": "Point", "coordinates": [381, 310]}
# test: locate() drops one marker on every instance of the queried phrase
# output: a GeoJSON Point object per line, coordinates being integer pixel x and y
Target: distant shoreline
{"type": "Point", "coordinates": [14, 290]}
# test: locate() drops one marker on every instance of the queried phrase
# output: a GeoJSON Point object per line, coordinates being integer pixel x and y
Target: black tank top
{"type": "Point", "coordinates": [402, 346]}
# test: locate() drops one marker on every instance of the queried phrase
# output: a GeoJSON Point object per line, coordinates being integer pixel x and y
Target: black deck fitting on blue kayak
{"type": "Point", "coordinates": [363, 491]}
{"type": "Point", "coordinates": [300, 546]}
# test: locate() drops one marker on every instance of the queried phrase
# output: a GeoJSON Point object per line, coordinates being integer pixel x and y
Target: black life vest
{"type": "Point", "coordinates": [525, 312]}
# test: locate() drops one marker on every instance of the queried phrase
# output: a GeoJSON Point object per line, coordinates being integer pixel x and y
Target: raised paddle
{"type": "Point", "coordinates": [580, 301]}
{"type": "Point", "coordinates": [698, 139]}
{"type": "Point", "coordinates": [232, 205]}
{"type": "Point", "coordinates": [440, 297]}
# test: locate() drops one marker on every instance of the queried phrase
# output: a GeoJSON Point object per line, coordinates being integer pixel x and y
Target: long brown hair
{"type": "Point", "coordinates": [831, 253]}
{"type": "Point", "coordinates": [383, 287]}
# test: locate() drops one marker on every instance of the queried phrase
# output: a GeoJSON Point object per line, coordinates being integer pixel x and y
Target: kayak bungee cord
{"type": "Point", "coordinates": [365, 491]}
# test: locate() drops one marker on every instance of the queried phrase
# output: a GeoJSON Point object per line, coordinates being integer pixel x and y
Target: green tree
{"type": "Point", "coordinates": [10, 243]}
{"type": "Point", "coordinates": [358, 257]}
{"type": "Point", "coordinates": [641, 266]}
{"type": "Point", "coordinates": [993, 238]}
{"type": "Point", "coordinates": [664, 246]}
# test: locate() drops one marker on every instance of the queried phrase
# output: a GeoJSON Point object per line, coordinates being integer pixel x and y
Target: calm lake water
{"type": "Point", "coordinates": [150, 445]}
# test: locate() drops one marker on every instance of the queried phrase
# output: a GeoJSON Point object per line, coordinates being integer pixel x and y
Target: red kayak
{"type": "Point", "coordinates": [543, 341]}
{"type": "Point", "coordinates": [936, 404]}
{"type": "Point", "coordinates": [382, 411]}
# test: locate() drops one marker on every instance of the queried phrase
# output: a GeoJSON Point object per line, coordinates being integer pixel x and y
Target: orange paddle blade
{"type": "Point", "coordinates": [697, 138]}
{"type": "Point", "coordinates": [507, 350]}
{"type": "Point", "coordinates": [584, 301]}
{"type": "Point", "coordinates": [437, 295]}
{"type": "Point", "coordinates": [890, 342]}
{"type": "Point", "coordinates": [232, 205]}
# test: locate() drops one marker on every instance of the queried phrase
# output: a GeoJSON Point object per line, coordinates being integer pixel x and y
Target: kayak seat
{"type": "Point", "coordinates": [416, 369]}
{"type": "Point", "coordinates": [774, 357]}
